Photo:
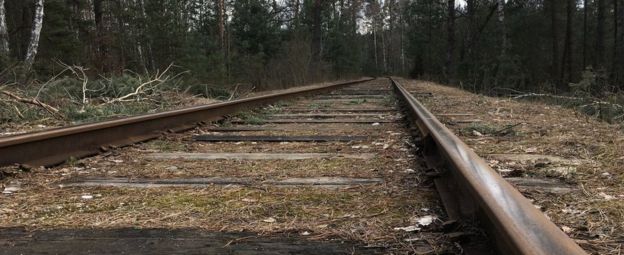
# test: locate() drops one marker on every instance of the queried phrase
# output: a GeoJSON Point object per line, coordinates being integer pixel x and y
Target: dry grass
{"type": "Point", "coordinates": [595, 214]}
{"type": "Point", "coordinates": [362, 213]}
{"type": "Point", "coordinates": [366, 213]}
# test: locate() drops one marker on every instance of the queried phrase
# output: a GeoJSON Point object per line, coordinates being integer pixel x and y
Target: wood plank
{"type": "Point", "coordinates": [340, 110]}
{"type": "Point", "coordinates": [324, 181]}
{"type": "Point", "coordinates": [341, 100]}
{"type": "Point", "coordinates": [467, 121]}
{"type": "Point", "coordinates": [257, 156]}
{"type": "Point", "coordinates": [543, 185]}
{"type": "Point", "coordinates": [244, 129]}
{"type": "Point", "coordinates": [362, 92]}
{"type": "Point", "coordinates": [139, 241]}
{"type": "Point", "coordinates": [375, 92]}
{"type": "Point", "coordinates": [455, 114]}
{"type": "Point", "coordinates": [279, 121]}
{"type": "Point", "coordinates": [422, 94]}
{"type": "Point", "coordinates": [328, 115]}
{"type": "Point", "coordinates": [351, 96]}
{"type": "Point", "coordinates": [156, 183]}
{"type": "Point", "coordinates": [330, 182]}
{"type": "Point", "coordinates": [268, 138]}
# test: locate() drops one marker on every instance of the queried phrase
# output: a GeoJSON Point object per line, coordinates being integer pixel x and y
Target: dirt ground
{"type": "Point", "coordinates": [526, 139]}
{"type": "Point", "coordinates": [545, 141]}
{"type": "Point", "coordinates": [371, 215]}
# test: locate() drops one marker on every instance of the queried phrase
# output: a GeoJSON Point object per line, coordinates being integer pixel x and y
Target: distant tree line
{"type": "Point", "coordinates": [478, 44]}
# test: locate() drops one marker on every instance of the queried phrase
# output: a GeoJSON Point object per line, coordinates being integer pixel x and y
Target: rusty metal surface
{"type": "Point", "coordinates": [55, 146]}
{"type": "Point", "coordinates": [513, 223]}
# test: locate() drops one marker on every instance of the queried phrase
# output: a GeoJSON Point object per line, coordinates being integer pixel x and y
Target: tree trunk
{"type": "Point", "coordinates": [296, 13]}
{"type": "Point", "coordinates": [450, 29]}
{"type": "Point", "coordinates": [555, 42]}
{"type": "Point", "coordinates": [390, 42]}
{"type": "Point", "coordinates": [375, 45]}
{"type": "Point", "coordinates": [427, 54]}
{"type": "Point", "coordinates": [4, 32]}
{"type": "Point", "coordinates": [316, 31]}
{"type": "Point", "coordinates": [585, 12]}
{"type": "Point", "coordinates": [100, 44]}
{"type": "Point", "coordinates": [600, 34]}
{"type": "Point", "coordinates": [470, 35]}
{"type": "Point", "coordinates": [567, 61]}
{"type": "Point", "coordinates": [500, 10]}
{"type": "Point", "coordinates": [35, 34]}
{"type": "Point", "coordinates": [615, 41]}
{"type": "Point", "coordinates": [121, 38]}
{"type": "Point", "coordinates": [401, 39]}
{"type": "Point", "coordinates": [383, 52]}
{"type": "Point", "coordinates": [221, 20]}
{"type": "Point", "coordinates": [619, 45]}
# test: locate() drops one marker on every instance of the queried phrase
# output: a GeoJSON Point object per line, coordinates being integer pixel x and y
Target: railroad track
{"type": "Point", "coordinates": [341, 165]}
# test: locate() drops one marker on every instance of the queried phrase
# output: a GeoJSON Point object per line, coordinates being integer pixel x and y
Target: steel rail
{"type": "Point", "coordinates": [513, 223]}
{"type": "Point", "coordinates": [55, 146]}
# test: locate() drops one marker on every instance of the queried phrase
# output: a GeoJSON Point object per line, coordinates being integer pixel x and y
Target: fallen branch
{"type": "Point", "coordinates": [603, 103]}
{"type": "Point", "coordinates": [10, 103]}
{"type": "Point", "coordinates": [594, 100]}
{"type": "Point", "coordinates": [80, 74]}
{"type": "Point", "coordinates": [504, 130]}
{"type": "Point", "coordinates": [548, 95]}
{"type": "Point", "coordinates": [158, 78]}
{"type": "Point", "coordinates": [233, 93]}
{"type": "Point", "coordinates": [34, 101]}
{"type": "Point", "coordinates": [19, 113]}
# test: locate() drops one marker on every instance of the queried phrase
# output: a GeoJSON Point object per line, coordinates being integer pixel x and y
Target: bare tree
{"type": "Point", "coordinates": [4, 33]}
{"type": "Point", "coordinates": [35, 34]}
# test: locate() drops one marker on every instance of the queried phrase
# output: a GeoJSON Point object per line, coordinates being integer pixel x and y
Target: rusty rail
{"type": "Point", "coordinates": [55, 146]}
{"type": "Point", "coordinates": [513, 223]}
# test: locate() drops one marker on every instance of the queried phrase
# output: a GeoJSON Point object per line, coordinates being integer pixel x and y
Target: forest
{"type": "Point", "coordinates": [555, 46]}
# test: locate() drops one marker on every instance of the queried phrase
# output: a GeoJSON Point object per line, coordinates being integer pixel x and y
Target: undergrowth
{"type": "Point", "coordinates": [592, 96]}
{"type": "Point", "coordinates": [73, 97]}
